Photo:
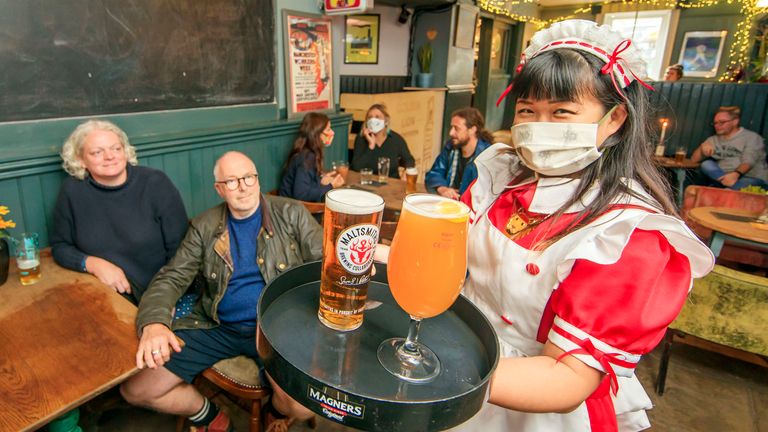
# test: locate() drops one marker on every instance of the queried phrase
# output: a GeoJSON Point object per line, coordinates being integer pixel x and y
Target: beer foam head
{"type": "Point", "coordinates": [436, 207]}
{"type": "Point", "coordinates": [412, 171]}
{"type": "Point", "coordinates": [353, 201]}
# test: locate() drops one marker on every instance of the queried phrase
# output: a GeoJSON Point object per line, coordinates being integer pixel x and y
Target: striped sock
{"type": "Point", "coordinates": [206, 414]}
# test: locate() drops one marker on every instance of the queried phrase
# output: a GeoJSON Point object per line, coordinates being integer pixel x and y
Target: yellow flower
{"type": "Point", "coordinates": [6, 224]}
{"type": "Point", "coordinates": [4, 210]}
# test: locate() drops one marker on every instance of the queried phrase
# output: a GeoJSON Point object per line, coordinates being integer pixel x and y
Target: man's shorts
{"type": "Point", "coordinates": [205, 347]}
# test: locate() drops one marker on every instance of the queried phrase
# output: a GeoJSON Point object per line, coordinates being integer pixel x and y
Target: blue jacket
{"type": "Point", "coordinates": [447, 162]}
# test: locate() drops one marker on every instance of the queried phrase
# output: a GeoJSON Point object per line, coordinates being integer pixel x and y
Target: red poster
{"type": "Point", "coordinates": [308, 63]}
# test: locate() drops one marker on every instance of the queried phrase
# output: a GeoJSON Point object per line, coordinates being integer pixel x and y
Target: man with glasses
{"type": "Point", "coordinates": [734, 157]}
{"type": "Point", "coordinates": [238, 247]}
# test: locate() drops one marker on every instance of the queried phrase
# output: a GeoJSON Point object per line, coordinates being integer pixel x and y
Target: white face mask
{"type": "Point", "coordinates": [554, 148]}
{"type": "Point", "coordinates": [375, 125]}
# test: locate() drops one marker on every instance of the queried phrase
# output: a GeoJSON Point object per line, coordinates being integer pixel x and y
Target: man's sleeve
{"type": "Point", "coordinates": [436, 176]}
{"type": "Point", "coordinates": [170, 283]}
{"type": "Point", "coordinates": [753, 150]}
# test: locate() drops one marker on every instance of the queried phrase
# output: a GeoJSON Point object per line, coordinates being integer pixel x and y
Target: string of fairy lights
{"type": "Point", "coordinates": [738, 55]}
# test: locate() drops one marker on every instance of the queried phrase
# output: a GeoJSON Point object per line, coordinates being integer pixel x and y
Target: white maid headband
{"type": "Point", "coordinates": [621, 59]}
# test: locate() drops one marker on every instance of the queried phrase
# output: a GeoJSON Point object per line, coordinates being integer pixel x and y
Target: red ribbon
{"type": "Point", "coordinates": [613, 61]}
{"type": "Point", "coordinates": [604, 359]}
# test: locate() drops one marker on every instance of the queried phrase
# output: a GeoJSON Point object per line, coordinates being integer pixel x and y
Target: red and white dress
{"type": "Point", "coordinates": [605, 292]}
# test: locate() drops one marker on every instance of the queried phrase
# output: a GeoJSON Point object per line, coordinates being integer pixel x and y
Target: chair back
{"type": "Point", "coordinates": [730, 308]}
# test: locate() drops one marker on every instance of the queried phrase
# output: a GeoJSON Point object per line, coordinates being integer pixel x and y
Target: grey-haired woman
{"type": "Point", "coordinates": [114, 219]}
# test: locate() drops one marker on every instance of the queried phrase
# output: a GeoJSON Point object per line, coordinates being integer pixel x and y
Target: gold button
{"type": "Point", "coordinates": [293, 246]}
{"type": "Point", "coordinates": [261, 260]}
{"type": "Point", "coordinates": [266, 236]}
{"type": "Point", "coordinates": [281, 266]}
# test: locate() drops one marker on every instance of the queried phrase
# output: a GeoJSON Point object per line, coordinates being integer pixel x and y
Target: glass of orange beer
{"type": "Point", "coordinates": [426, 270]}
{"type": "Point", "coordinates": [410, 178]}
{"type": "Point", "coordinates": [350, 232]}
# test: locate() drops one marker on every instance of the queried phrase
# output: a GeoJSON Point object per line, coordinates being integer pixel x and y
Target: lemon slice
{"type": "Point", "coordinates": [452, 208]}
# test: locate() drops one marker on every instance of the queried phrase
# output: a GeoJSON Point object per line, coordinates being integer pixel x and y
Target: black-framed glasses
{"type": "Point", "coordinates": [722, 122]}
{"type": "Point", "coordinates": [233, 184]}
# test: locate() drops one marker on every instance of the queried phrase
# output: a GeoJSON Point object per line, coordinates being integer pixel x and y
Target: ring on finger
{"type": "Point", "coordinates": [156, 352]}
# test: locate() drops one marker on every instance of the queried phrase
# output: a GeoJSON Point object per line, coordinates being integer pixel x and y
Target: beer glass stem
{"type": "Point", "coordinates": [411, 341]}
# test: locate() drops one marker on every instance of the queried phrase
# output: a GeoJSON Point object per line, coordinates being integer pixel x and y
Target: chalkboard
{"type": "Point", "coordinates": [63, 58]}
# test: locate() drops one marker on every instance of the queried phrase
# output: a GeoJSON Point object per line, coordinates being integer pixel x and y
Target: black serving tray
{"type": "Point", "coordinates": [337, 374]}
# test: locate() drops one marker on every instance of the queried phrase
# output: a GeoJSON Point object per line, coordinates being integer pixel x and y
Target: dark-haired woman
{"type": "Point", "coordinates": [377, 140]}
{"type": "Point", "coordinates": [303, 177]}
{"type": "Point", "coordinates": [576, 254]}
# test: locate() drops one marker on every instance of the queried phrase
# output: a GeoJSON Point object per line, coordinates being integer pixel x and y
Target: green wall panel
{"type": "Point", "coordinates": [690, 106]}
{"type": "Point", "coordinates": [30, 187]}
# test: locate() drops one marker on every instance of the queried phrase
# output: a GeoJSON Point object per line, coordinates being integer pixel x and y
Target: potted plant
{"type": "Point", "coordinates": [424, 79]}
{"type": "Point", "coordinates": [4, 246]}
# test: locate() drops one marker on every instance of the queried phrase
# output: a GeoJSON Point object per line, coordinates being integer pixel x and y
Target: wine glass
{"type": "Point", "coordinates": [426, 270]}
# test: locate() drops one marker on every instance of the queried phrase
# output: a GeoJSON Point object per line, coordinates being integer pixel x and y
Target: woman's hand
{"type": "Point", "coordinates": [328, 178]}
{"type": "Point", "coordinates": [108, 273]}
{"type": "Point", "coordinates": [337, 181]}
{"type": "Point", "coordinates": [155, 346]}
{"type": "Point", "coordinates": [369, 136]}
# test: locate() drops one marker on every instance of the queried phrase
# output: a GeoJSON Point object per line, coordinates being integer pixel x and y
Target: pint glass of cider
{"type": "Point", "coordinates": [351, 230]}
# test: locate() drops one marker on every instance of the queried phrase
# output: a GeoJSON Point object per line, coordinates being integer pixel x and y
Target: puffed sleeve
{"type": "Point", "coordinates": [610, 315]}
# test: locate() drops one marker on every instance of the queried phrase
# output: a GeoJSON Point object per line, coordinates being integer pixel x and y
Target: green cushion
{"type": "Point", "coordinates": [730, 308]}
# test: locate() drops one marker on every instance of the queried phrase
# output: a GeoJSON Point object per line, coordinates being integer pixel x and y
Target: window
{"type": "Point", "coordinates": [649, 31]}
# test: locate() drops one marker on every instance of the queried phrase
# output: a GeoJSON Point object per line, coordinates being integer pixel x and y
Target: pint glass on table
{"type": "Point", "coordinates": [410, 178]}
{"type": "Point", "coordinates": [351, 230]}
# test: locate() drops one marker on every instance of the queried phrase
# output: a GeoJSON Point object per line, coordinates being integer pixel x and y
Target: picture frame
{"type": "Point", "coordinates": [308, 56]}
{"type": "Point", "coordinates": [701, 52]}
{"type": "Point", "coordinates": [361, 38]}
{"type": "Point", "coordinates": [466, 24]}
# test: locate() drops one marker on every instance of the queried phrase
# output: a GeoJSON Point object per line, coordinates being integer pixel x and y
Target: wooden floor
{"type": "Point", "coordinates": [705, 392]}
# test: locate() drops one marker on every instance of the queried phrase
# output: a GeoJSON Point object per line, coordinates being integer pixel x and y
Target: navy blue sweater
{"type": "Point", "coordinates": [136, 226]}
{"type": "Point", "coordinates": [301, 180]}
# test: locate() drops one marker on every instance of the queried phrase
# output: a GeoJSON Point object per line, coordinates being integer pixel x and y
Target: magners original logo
{"type": "Point", "coordinates": [335, 408]}
{"type": "Point", "coordinates": [354, 247]}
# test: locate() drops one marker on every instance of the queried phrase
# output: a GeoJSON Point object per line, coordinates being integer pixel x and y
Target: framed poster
{"type": "Point", "coordinates": [308, 62]}
{"type": "Point", "coordinates": [701, 52]}
{"type": "Point", "coordinates": [361, 39]}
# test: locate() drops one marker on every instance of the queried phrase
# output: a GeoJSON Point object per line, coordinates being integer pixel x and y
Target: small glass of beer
{"type": "Point", "coordinates": [383, 168]}
{"type": "Point", "coordinates": [680, 154]}
{"type": "Point", "coordinates": [410, 178]}
{"type": "Point", "coordinates": [426, 270]}
{"type": "Point", "coordinates": [28, 258]}
{"type": "Point", "coordinates": [351, 230]}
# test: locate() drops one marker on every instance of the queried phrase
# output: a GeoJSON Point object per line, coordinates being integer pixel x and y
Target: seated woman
{"type": "Point", "coordinates": [377, 140]}
{"type": "Point", "coordinates": [113, 219]}
{"type": "Point", "coordinates": [303, 177]}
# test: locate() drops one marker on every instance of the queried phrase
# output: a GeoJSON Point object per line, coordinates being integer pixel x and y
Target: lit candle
{"type": "Point", "coordinates": [660, 147]}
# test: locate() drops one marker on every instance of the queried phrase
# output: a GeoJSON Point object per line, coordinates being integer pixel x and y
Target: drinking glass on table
{"type": "Point", "coordinates": [366, 176]}
{"type": "Point", "coordinates": [426, 270]}
{"type": "Point", "coordinates": [28, 258]}
{"type": "Point", "coordinates": [410, 178]}
{"type": "Point", "coordinates": [383, 165]}
{"type": "Point", "coordinates": [680, 154]}
{"type": "Point", "coordinates": [341, 167]}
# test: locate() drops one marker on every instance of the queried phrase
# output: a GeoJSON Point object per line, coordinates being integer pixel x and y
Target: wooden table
{"type": "Point", "coordinates": [733, 225]}
{"type": "Point", "coordinates": [63, 341]}
{"type": "Point", "coordinates": [393, 191]}
{"type": "Point", "coordinates": [679, 169]}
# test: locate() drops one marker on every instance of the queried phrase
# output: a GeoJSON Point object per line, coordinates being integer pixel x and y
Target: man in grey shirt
{"type": "Point", "coordinates": [734, 157]}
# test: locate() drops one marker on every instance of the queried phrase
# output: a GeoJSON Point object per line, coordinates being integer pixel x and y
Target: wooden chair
{"type": "Point", "coordinates": [726, 313]}
{"type": "Point", "coordinates": [240, 380]}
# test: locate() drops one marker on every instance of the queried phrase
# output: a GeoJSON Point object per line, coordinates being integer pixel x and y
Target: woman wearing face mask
{"type": "Point", "coordinates": [576, 254]}
{"type": "Point", "coordinates": [303, 177]}
{"type": "Point", "coordinates": [377, 140]}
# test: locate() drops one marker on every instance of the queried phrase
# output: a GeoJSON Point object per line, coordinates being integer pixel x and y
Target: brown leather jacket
{"type": "Point", "coordinates": [289, 236]}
